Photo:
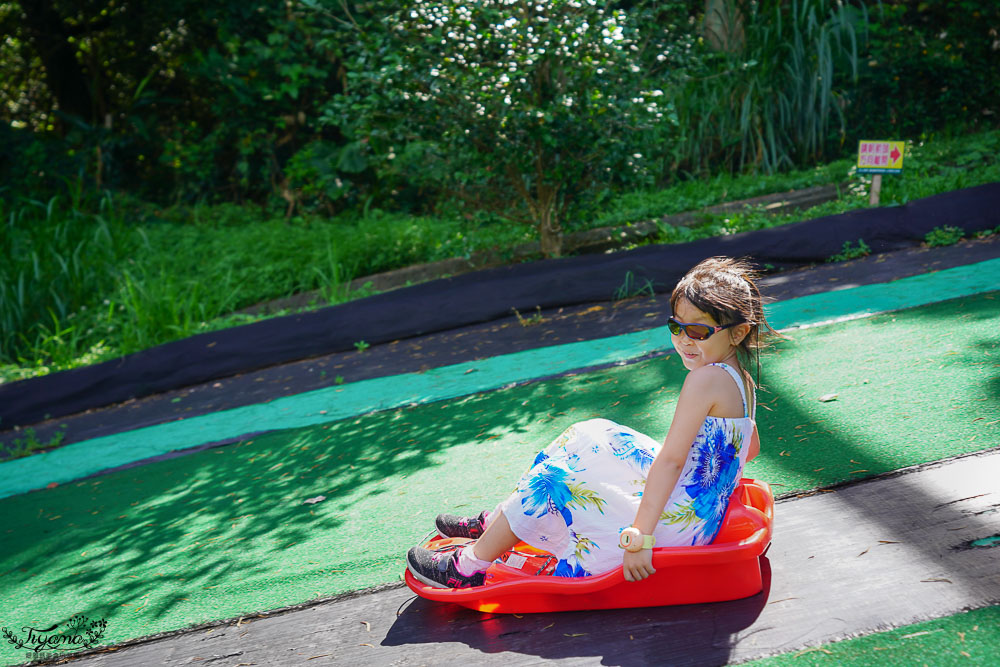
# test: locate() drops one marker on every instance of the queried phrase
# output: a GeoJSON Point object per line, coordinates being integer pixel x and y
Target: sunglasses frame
{"type": "Point", "coordinates": [684, 325]}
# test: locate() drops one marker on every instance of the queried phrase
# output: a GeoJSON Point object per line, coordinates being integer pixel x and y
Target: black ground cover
{"type": "Point", "coordinates": [476, 341]}
{"type": "Point", "coordinates": [453, 303]}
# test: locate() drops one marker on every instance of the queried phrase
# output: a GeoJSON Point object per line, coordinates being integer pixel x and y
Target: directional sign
{"type": "Point", "coordinates": [880, 157]}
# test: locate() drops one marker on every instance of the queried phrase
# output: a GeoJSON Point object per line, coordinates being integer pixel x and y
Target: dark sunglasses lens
{"type": "Point", "coordinates": [694, 331]}
{"type": "Point", "coordinates": [698, 331]}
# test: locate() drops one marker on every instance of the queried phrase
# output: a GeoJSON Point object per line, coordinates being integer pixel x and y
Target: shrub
{"type": "Point", "coordinates": [524, 108]}
{"type": "Point", "coordinates": [942, 236]}
{"type": "Point", "coordinates": [850, 252]}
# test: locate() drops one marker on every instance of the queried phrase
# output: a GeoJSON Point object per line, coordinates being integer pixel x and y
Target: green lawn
{"type": "Point", "coordinates": [226, 531]}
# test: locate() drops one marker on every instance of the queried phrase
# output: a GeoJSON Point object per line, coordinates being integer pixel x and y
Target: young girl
{"type": "Point", "coordinates": [600, 486]}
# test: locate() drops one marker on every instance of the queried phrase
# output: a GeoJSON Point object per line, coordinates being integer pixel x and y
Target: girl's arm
{"type": "Point", "coordinates": [754, 445]}
{"type": "Point", "coordinates": [698, 397]}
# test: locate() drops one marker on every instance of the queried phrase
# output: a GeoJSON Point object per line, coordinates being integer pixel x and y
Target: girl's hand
{"type": "Point", "coordinates": [638, 565]}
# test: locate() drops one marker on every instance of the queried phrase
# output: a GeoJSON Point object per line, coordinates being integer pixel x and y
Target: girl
{"type": "Point", "coordinates": [600, 486]}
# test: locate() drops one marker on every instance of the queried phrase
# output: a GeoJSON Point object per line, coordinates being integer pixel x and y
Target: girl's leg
{"type": "Point", "coordinates": [497, 539]}
{"type": "Point", "coordinates": [466, 566]}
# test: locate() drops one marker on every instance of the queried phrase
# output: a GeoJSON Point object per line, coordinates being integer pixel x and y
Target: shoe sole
{"type": "Point", "coordinates": [421, 578]}
{"type": "Point", "coordinates": [424, 579]}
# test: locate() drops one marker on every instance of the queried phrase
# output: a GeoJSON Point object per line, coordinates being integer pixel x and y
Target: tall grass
{"type": "Point", "coordinates": [55, 258]}
{"type": "Point", "coordinates": [84, 281]}
{"type": "Point", "coordinates": [770, 101]}
{"type": "Point", "coordinates": [78, 287]}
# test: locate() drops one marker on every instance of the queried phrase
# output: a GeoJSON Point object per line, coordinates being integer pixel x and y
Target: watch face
{"type": "Point", "coordinates": [631, 539]}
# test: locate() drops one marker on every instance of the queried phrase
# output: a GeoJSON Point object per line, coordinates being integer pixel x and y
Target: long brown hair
{"type": "Point", "coordinates": [726, 289]}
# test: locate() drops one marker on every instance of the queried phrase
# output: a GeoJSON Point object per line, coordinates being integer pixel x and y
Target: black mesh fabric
{"type": "Point", "coordinates": [444, 304]}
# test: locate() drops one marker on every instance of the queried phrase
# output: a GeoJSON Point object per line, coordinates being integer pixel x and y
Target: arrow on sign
{"type": "Point", "coordinates": [895, 154]}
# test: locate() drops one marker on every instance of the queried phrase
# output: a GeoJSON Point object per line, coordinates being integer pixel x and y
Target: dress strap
{"type": "Point", "coordinates": [739, 383]}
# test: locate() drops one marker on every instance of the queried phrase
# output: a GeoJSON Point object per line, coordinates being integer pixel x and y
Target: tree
{"type": "Point", "coordinates": [172, 100]}
{"type": "Point", "coordinates": [523, 108]}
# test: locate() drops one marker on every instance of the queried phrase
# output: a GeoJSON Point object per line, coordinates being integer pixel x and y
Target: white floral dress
{"type": "Point", "coordinates": [585, 487]}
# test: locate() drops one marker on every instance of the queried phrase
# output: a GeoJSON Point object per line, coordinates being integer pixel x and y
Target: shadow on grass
{"type": "Point", "coordinates": [821, 444]}
{"type": "Point", "coordinates": [228, 531]}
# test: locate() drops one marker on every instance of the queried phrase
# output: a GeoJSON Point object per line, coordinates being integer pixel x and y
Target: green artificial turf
{"type": "Point", "coordinates": [330, 404]}
{"type": "Point", "coordinates": [229, 531]}
{"type": "Point", "coordinates": [970, 638]}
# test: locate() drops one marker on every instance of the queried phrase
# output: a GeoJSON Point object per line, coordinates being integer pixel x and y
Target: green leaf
{"type": "Point", "coordinates": [352, 158]}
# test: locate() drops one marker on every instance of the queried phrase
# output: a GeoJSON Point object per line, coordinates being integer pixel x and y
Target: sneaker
{"type": "Point", "coordinates": [451, 525]}
{"type": "Point", "coordinates": [440, 569]}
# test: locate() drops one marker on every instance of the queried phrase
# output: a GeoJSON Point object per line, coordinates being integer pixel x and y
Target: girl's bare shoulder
{"type": "Point", "coordinates": [709, 376]}
{"type": "Point", "coordinates": [715, 386]}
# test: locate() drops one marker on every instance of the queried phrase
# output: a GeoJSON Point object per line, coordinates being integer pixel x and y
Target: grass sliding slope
{"type": "Point", "coordinates": [228, 531]}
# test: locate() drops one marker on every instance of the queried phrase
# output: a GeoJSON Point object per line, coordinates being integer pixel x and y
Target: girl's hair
{"type": "Point", "coordinates": [726, 289]}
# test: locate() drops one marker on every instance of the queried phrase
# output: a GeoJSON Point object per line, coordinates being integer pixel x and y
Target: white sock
{"type": "Point", "coordinates": [468, 564]}
{"type": "Point", "coordinates": [488, 519]}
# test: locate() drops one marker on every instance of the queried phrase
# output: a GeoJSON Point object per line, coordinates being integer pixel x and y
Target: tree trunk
{"type": "Point", "coordinates": [544, 208]}
{"type": "Point", "coordinates": [66, 79]}
{"type": "Point", "coordinates": [723, 27]}
{"type": "Point", "coordinates": [548, 223]}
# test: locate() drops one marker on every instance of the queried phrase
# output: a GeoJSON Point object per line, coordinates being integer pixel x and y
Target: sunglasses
{"type": "Point", "coordinates": [695, 331]}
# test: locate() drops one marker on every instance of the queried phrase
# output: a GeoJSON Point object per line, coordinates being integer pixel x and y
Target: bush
{"type": "Point", "coordinates": [850, 252]}
{"type": "Point", "coordinates": [928, 68]}
{"type": "Point", "coordinates": [943, 236]}
{"type": "Point", "coordinates": [527, 109]}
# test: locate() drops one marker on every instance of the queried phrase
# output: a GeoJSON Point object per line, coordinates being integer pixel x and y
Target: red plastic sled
{"type": "Point", "coordinates": [726, 569]}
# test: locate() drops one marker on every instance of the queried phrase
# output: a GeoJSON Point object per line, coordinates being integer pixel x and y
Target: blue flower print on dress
{"type": "Point", "coordinates": [713, 478]}
{"type": "Point", "coordinates": [623, 446]}
{"type": "Point", "coordinates": [570, 567]}
{"type": "Point", "coordinates": [573, 463]}
{"type": "Point", "coordinates": [547, 492]}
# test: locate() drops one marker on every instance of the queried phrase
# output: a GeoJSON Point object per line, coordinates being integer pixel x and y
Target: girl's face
{"type": "Point", "coordinates": [719, 347]}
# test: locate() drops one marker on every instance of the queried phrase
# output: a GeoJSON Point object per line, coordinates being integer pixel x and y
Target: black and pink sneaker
{"type": "Point", "coordinates": [440, 569]}
{"type": "Point", "coordinates": [451, 525]}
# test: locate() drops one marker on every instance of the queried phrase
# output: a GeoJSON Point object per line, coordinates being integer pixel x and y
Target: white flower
{"type": "Point", "coordinates": [614, 35]}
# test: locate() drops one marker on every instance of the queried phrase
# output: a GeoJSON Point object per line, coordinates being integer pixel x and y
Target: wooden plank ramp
{"type": "Point", "coordinates": [858, 559]}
